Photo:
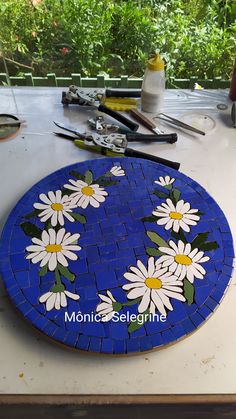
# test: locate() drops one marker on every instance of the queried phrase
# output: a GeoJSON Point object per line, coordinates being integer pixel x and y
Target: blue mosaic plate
{"type": "Point", "coordinates": [116, 255]}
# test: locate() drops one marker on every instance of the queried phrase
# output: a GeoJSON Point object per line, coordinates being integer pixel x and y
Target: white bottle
{"type": "Point", "coordinates": [153, 86]}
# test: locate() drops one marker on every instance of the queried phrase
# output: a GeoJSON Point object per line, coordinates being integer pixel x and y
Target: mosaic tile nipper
{"type": "Point", "coordinates": [118, 143]}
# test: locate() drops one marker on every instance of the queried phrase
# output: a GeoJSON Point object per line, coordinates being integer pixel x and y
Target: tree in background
{"type": "Point", "coordinates": [116, 37]}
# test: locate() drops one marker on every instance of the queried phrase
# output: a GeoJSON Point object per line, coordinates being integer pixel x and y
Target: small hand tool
{"type": "Point", "coordinates": [95, 99]}
{"type": "Point", "coordinates": [98, 124]}
{"type": "Point", "coordinates": [178, 123]}
{"type": "Point", "coordinates": [146, 122]}
{"type": "Point", "coordinates": [118, 143]}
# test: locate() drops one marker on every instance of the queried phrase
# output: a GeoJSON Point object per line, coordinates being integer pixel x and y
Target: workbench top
{"type": "Point", "coordinates": [203, 363]}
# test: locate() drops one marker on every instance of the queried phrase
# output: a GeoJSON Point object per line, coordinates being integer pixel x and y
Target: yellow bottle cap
{"type": "Point", "coordinates": [156, 63]}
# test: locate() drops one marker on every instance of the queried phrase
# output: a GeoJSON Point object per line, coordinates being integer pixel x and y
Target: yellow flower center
{"type": "Point", "coordinates": [176, 215]}
{"type": "Point", "coordinates": [53, 248]}
{"type": "Point", "coordinates": [87, 190]}
{"type": "Point", "coordinates": [153, 283]}
{"type": "Point", "coordinates": [183, 260]}
{"type": "Point", "coordinates": [57, 207]}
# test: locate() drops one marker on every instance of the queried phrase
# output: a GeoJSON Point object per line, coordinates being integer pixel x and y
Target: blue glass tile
{"type": "Point", "coordinates": [133, 345]}
{"type": "Point", "coordinates": [167, 336]}
{"type": "Point", "coordinates": [119, 346]}
{"type": "Point", "coordinates": [205, 312]}
{"type": "Point", "coordinates": [196, 319]}
{"type": "Point", "coordinates": [60, 335]}
{"type": "Point", "coordinates": [83, 342]}
{"type": "Point", "coordinates": [217, 295]}
{"type": "Point", "coordinates": [41, 322]}
{"type": "Point", "coordinates": [32, 294]}
{"type": "Point", "coordinates": [107, 346]}
{"type": "Point", "coordinates": [140, 332]}
{"type": "Point", "coordinates": [50, 329]}
{"type": "Point", "coordinates": [227, 270]}
{"type": "Point", "coordinates": [178, 331]}
{"type": "Point", "coordinates": [118, 330]}
{"type": "Point", "coordinates": [71, 339]}
{"type": "Point", "coordinates": [95, 344]}
{"type": "Point", "coordinates": [157, 340]}
{"type": "Point", "coordinates": [19, 263]}
{"type": "Point", "coordinates": [178, 314]}
{"type": "Point", "coordinates": [24, 307]}
{"type": "Point", "coordinates": [202, 293]}
{"type": "Point", "coordinates": [188, 326]}
{"type": "Point", "coordinates": [210, 303]}
{"type": "Point", "coordinates": [18, 298]}
{"type": "Point", "coordinates": [79, 267]}
{"type": "Point", "coordinates": [155, 326]}
{"type": "Point", "coordinates": [106, 280]}
{"type": "Point", "coordinates": [145, 344]}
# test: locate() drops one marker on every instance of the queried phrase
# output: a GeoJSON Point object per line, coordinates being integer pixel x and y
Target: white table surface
{"type": "Point", "coordinates": [203, 363]}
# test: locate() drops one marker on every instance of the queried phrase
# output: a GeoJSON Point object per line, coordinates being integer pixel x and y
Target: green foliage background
{"type": "Point", "coordinates": [195, 37]}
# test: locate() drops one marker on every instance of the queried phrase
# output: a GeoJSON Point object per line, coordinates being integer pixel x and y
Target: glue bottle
{"type": "Point", "coordinates": [153, 86]}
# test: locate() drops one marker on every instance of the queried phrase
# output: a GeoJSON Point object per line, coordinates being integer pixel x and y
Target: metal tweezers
{"type": "Point", "coordinates": [178, 123]}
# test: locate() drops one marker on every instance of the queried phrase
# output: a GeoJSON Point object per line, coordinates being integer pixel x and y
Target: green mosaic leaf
{"type": "Point", "coordinates": [31, 230]}
{"type": "Point", "coordinates": [48, 224]}
{"type": "Point", "coordinates": [135, 325]}
{"type": "Point", "coordinates": [58, 288]}
{"type": "Point", "coordinates": [150, 219]}
{"type": "Point", "coordinates": [77, 175]}
{"type": "Point", "coordinates": [155, 238]}
{"type": "Point", "coordinates": [132, 302]}
{"type": "Point", "coordinates": [32, 214]}
{"type": "Point", "coordinates": [106, 182]}
{"type": "Point", "coordinates": [199, 240]}
{"type": "Point", "coordinates": [66, 273]}
{"type": "Point", "coordinates": [175, 195]}
{"type": "Point", "coordinates": [117, 306]}
{"type": "Point", "coordinates": [153, 251]}
{"type": "Point", "coordinates": [160, 194]}
{"type": "Point", "coordinates": [88, 177]}
{"type": "Point", "coordinates": [67, 192]}
{"type": "Point", "coordinates": [209, 246]}
{"type": "Point", "coordinates": [200, 213]}
{"type": "Point", "coordinates": [108, 174]}
{"type": "Point", "coordinates": [79, 217]}
{"type": "Point", "coordinates": [43, 270]}
{"type": "Point", "coordinates": [179, 236]}
{"type": "Point", "coordinates": [188, 291]}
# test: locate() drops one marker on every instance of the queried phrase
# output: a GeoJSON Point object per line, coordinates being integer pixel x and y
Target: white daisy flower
{"type": "Point", "coordinates": [176, 216]}
{"type": "Point", "coordinates": [165, 181]}
{"type": "Point", "coordinates": [53, 248]}
{"type": "Point", "coordinates": [56, 207]}
{"type": "Point", "coordinates": [108, 306]}
{"type": "Point", "coordinates": [57, 299]}
{"type": "Point", "coordinates": [182, 261]}
{"type": "Point", "coordinates": [155, 285]}
{"type": "Point", "coordinates": [85, 194]}
{"type": "Point", "coordinates": [117, 171]}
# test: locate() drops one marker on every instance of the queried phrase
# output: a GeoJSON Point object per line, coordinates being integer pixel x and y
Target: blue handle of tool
{"type": "Point", "coordinates": [119, 117]}
{"type": "Point", "coordinates": [129, 152]}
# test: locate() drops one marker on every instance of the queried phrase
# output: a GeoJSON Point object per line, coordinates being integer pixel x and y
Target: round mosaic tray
{"type": "Point", "coordinates": [116, 255]}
